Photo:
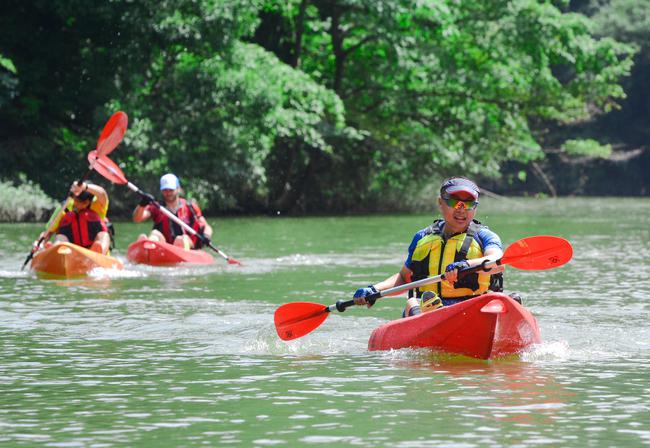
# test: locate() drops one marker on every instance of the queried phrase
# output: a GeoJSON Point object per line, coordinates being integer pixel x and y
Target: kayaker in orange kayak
{"type": "Point", "coordinates": [454, 242]}
{"type": "Point", "coordinates": [83, 220]}
{"type": "Point", "coordinates": [165, 229]}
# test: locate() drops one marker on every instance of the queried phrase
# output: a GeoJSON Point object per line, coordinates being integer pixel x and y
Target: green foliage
{"type": "Point", "coordinates": [217, 123]}
{"type": "Point", "coordinates": [460, 86]}
{"type": "Point", "coordinates": [72, 141]}
{"type": "Point", "coordinates": [587, 147]}
{"type": "Point", "coordinates": [24, 202]}
{"type": "Point", "coordinates": [627, 20]}
{"type": "Point", "coordinates": [298, 105]}
{"type": "Point", "coordinates": [8, 80]}
{"type": "Point", "coordinates": [7, 64]}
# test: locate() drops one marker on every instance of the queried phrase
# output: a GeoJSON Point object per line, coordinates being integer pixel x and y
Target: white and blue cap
{"type": "Point", "coordinates": [459, 185]}
{"type": "Point", "coordinates": [169, 182]}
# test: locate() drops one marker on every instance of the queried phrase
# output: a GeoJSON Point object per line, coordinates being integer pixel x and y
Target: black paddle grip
{"type": "Point", "coordinates": [372, 298]}
{"type": "Point", "coordinates": [341, 305]}
{"type": "Point", "coordinates": [481, 267]}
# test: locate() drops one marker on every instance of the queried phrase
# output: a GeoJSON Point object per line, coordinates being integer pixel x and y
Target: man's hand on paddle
{"type": "Point", "coordinates": [361, 294]}
{"type": "Point", "coordinates": [452, 270]}
{"type": "Point", "coordinates": [146, 199]}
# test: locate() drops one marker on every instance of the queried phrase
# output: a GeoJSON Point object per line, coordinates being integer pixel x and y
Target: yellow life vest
{"type": "Point", "coordinates": [432, 254]}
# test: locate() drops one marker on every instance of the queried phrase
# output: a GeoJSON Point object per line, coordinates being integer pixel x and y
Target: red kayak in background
{"type": "Point", "coordinates": [156, 253]}
{"type": "Point", "coordinates": [489, 326]}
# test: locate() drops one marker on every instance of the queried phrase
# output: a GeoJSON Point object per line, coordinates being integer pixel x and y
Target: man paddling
{"type": "Point", "coordinates": [167, 230]}
{"type": "Point", "coordinates": [84, 222]}
{"type": "Point", "coordinates": [450, 244]}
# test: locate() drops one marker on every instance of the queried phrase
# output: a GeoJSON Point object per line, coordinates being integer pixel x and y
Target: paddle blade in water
{"type": "Point", "coordinates": [112, 133]}
{"type": "Point", "coordinates": [107, 168]}
{"type": "Point", "coordinates": [294, 320]}
{"type": "Point", "coordinates": [538, 253]}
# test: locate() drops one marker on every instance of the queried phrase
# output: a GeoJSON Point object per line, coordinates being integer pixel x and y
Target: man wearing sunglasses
{"type": "Point", "coordinates": [455, 242]}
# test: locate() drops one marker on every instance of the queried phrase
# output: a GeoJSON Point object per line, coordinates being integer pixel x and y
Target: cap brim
{"type": "Point", "coordinates": [462, 189]}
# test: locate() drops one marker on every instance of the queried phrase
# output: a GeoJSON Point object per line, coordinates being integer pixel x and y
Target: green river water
{"type": "Point", "coordinates": [188, 356]}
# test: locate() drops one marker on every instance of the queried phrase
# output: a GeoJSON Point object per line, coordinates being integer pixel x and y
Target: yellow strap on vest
{"type": "Point", "coordinates": [440, 254]}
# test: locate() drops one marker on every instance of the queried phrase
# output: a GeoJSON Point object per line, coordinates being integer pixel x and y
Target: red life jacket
{"type": "Point", "coordinates": [188, 213]}
{"type": "Point", "coordinates": [81, 228]}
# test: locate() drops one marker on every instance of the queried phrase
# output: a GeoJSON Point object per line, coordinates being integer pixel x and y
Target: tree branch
{"type": "Point", "coordinates": [542, 175]}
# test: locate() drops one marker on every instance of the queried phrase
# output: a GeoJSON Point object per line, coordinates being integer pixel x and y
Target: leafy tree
{"type": "Point", "coordinates": [628, 21]}
{"type": "Point", "coordinates": [460, 86]}
{"type": "Point", "coordinates": [298, 105]}
{"type": "Point", "coordinates": [221, 124]}
{"type": "Point", "coordinates": [71, 58]}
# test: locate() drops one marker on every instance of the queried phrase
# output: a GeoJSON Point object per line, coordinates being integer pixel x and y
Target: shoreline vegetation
{"type": "Point", "coordinates": [308, 107]}
{"type": "Point", "coordinates": [24, 202]}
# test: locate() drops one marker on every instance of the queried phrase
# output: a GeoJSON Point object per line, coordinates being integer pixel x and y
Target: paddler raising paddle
{"type": "Point", "coordinates": [83, 221]}
{"type": "Point", "coordinates": [450, 244]}
{"type": "Point", "coordinates": [165, 229]}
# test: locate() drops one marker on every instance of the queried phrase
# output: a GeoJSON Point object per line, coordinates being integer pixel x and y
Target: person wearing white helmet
{"type": "Point", "coordinates": [164, 229]}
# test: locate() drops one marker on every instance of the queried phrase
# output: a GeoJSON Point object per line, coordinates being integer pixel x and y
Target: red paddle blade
{"type": "Point", "coordinates": [233, 261]}
{"type": "Point", "coordinates": [294, 320]}
{"type": "Point", "coordinates": [107, 168]}
{"type": "Point", "coordinates": [112, 133]}
{"type": "Point", "coordinates": [538, 253]}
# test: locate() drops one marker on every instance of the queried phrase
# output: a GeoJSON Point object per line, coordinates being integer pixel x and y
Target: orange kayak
{"type": "Point", "coordinates": [489, 326]}
{"type": "Point", "coordinates": [158, 253]}
{"type": "Point", "coordinates": [69, 260]}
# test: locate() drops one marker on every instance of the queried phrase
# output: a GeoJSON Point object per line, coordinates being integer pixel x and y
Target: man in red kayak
{"type": "Point", "coordinates": [164, 229]}
{"type": "Point", "coordinates": [450, 244]}
{"type": "Point", "coordinates": [83, 220]}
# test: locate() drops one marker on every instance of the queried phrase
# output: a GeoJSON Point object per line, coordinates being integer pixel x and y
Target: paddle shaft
{"type": "Point", "coordinates": [178, 221]}
{"type": "Point", "coordinates": [107, 168]}
{"type": "Point", "coordinates": [110, 137]}
{"type": "Point", "coordinates": [294, 320]}
{"type": "Point", "coordinates": [341, 305]}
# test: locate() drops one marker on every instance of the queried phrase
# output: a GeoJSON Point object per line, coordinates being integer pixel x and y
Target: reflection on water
{"type": "Point", "coordinates": [507, 390]}
{"type": "Point", "coordinates": [190, 356]}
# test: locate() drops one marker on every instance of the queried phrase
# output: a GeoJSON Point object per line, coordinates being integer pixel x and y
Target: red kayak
{"type": "Point", "coordinates": [158, 253]}
{"type": "Point", "coordinates": [489, 326]}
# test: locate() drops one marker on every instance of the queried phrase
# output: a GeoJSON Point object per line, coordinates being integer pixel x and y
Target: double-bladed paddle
{"type": "Point", "coordinates": [296, 319]}
{"type": "Point", "coordinates": [110, 137]}
{"type": "Point", "coordinates": [107, 168]}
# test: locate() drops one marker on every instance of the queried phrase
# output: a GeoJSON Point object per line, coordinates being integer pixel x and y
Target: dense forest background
{"type": "Point", "coordinates": [329, 106]}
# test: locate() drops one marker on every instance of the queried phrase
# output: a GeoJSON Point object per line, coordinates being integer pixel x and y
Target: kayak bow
{"type": "Point", "coordinates": [489, 326]}
{"type": "Point", "coordinates": [65, 260]}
